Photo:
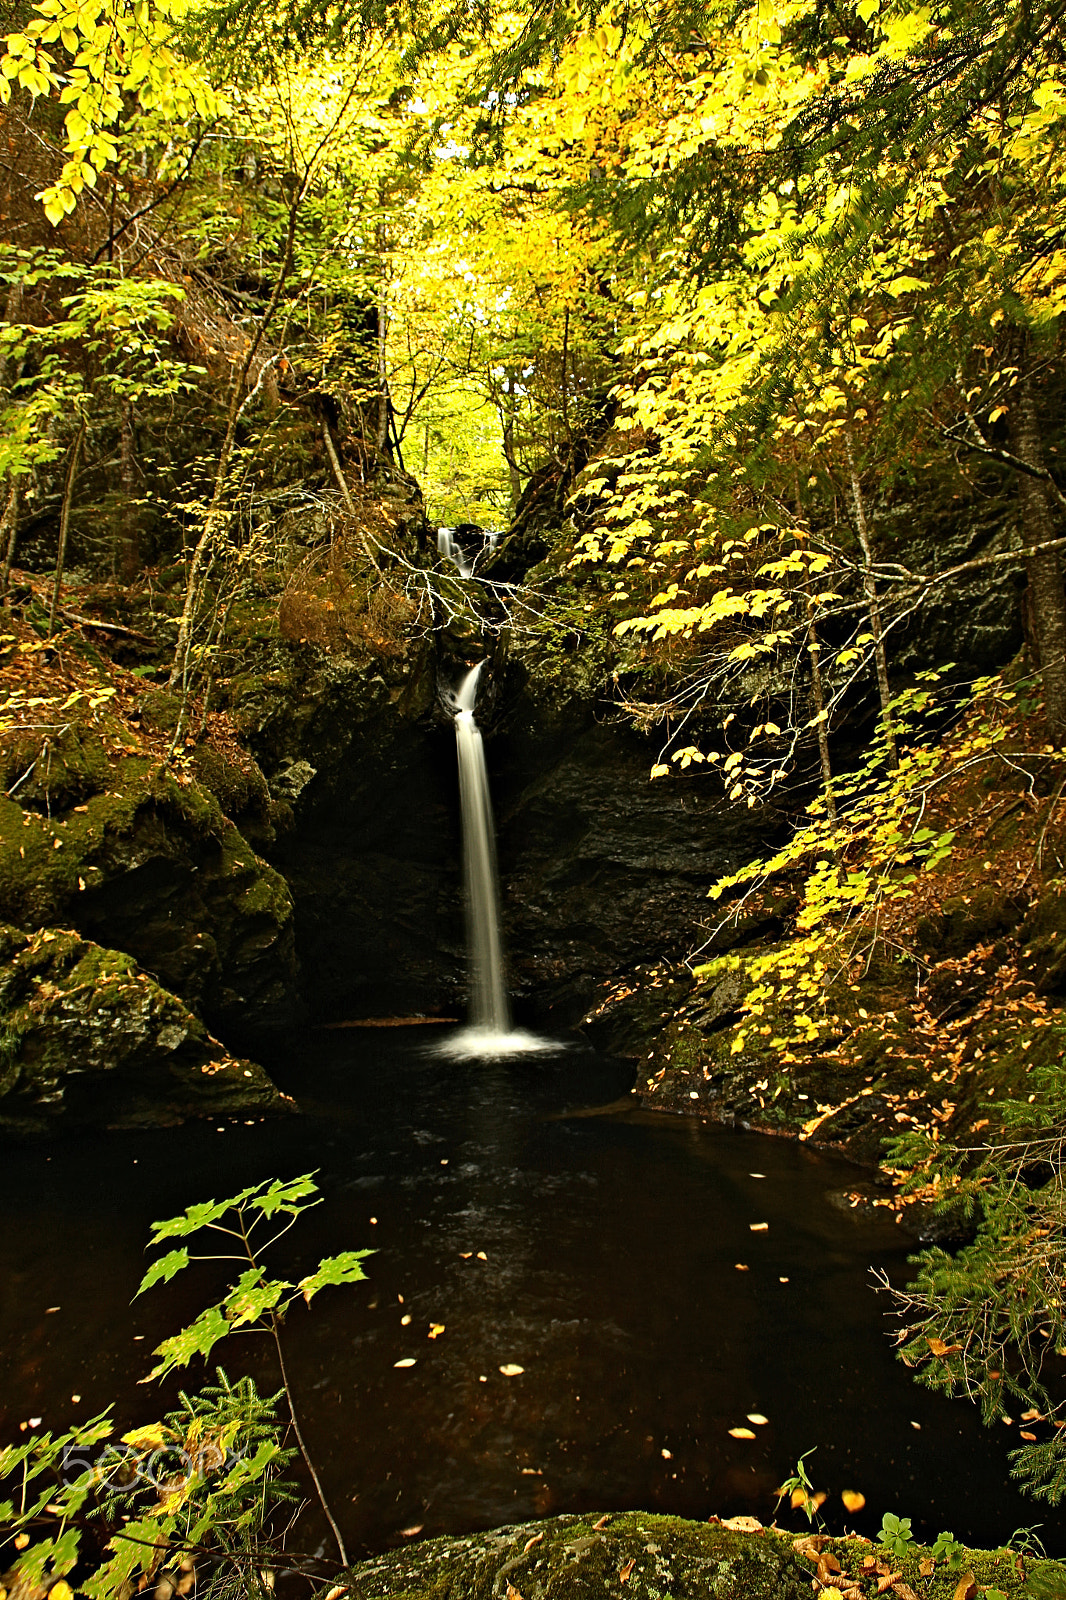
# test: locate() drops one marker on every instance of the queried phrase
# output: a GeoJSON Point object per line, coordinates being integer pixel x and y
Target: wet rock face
{"type": "Point", "coordinates": [974, 620]}
{"type": "Point", "coordinates": [365, 758]}
{"type": "Point", "coordinates": [88, 1039]}
{"type": "Point", "coordinates": [603, 870]}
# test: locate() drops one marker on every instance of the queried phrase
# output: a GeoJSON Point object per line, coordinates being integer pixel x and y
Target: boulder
{"type": "Point", "coordinates": [89, 1039]}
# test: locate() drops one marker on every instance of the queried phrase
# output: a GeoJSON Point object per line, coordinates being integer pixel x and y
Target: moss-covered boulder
{"type": "Point", "coordinates": [146, 861]}
{"type": "Point", "coordinates": [88, 1039]}
{"type": "Point", "coordinates": [638, 1556]}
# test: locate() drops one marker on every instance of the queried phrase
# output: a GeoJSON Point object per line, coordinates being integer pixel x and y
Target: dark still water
{"type": "Point", "coordinates": [597, 1253]}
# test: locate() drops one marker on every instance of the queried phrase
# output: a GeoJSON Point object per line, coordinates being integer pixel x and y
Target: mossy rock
{"type": "Point", "coordinates": [88, 1039]}
{"type": "Point", "coordinates": [237, 784]}
{"type": "Point", "coordinates": [53, 771]}
{"type": "Point", "coordinates": [640, 1556]}
{"type": "Point", "coordinates": [585, 1557]}
{"type": "Point", "coordinates": [153, 866]}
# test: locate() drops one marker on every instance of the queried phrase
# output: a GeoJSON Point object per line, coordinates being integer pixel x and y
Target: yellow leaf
{"type": "Point", "coordinates": [741, 1433]}
{"type": "Point", "coordinates": [150, 1438]}
{"type": "Point", "coordinates": [853, 1500]}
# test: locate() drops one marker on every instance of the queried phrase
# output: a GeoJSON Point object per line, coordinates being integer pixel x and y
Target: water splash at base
{"type": "Point", "coordinates": [481, 1044]}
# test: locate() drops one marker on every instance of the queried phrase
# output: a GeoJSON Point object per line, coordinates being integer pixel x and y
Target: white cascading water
{"type": "Point", "coordinates": [489, 1032]}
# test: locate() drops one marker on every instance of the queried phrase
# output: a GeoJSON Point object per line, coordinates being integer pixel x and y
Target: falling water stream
{"type": "Point", "coordinates": [490, 1032]}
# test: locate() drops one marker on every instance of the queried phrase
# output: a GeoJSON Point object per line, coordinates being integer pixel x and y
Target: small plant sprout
{"type": "Point", "coordinates": [896, 1535]}
{"type": "Point", "coordinates": [801, 1493]}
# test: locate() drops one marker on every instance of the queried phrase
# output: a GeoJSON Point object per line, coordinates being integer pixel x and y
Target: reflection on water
{"type": "Point", "coordinates": [599, 1254]}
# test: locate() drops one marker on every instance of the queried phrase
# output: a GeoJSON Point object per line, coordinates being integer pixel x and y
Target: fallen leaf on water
{"type": "Point", "coordinates": [853, 1500]}
{"type": "Point", "coordinates": [408, 1361]}
{"type": "Point", "coordinates": [435, 1330]}
{"type": "Point", "coordinates": [511, 1369]}
{"type": "Point", "coordinates": [758, 1227]}
{"type": "Point", "coordinates": [939, 1348]}
{"type": "Point", "coordinates": [626, 1572]}
{"type": "Point", "coordinates": [757, 1419]}
{"type": "Point", "coordinates": [741, 1433]}
{"type": "Point", "coordinates": [966, 1587]}
{"type": "Point", "coordinates": [409, 1533]}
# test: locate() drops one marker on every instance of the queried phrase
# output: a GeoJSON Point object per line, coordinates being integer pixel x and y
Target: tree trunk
{"type": "Point", "coordinates": [382, 437]}
{"type": "Point", "coordinates": [12, 313]}
{"type": "Point", "coordinates": [346, 494]}
{"type": "Point", "coordinates": [1044, 571]}
{"type": "Point", "coordinates": [203, 549]}
{"type": "Point", "coordinates": [64, 525]}
{"type": "Point", "coordinates": [10, 521]}
{"type": "Point", "coordinates": [873, 604]}
{"type": "Point", "coordinates": [129, 555]}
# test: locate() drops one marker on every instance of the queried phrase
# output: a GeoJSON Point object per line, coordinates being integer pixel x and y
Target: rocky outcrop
{"type": "Point", "coordinates": [88, 1039]}
{"type": "Point", "coordinates": [134, 853]}
{"type": "Point", "coordinates": [647, 1557]}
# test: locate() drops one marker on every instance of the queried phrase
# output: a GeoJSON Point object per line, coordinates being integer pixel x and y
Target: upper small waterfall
{"type": "Point", "coordinates": [489, 1032]}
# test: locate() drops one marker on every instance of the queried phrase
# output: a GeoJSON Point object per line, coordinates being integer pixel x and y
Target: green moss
{"type": "Point", "coordinates": [667, 1558]}
{"type": "Point", "coordinates": [53, 771]}
{"type": "Point", "coordinates": [237, 786]}
{"type": "Point", "coordinates": [570, 1558]}
{"type": "Point", "coordinates": [87, 1037]}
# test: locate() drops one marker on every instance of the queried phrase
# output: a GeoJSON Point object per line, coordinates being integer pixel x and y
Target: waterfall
{"type": "Point", "coordinates": [489, 1032]}
{"type": "Point", "coordinates": [489, 1009]}
{"type": "Point", "coordinates": [449, 547]}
